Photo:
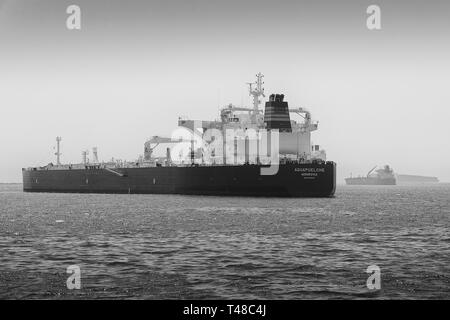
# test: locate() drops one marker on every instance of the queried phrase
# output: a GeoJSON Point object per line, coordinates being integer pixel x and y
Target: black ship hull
{"type": "Point", "coordinates": [291, 180]}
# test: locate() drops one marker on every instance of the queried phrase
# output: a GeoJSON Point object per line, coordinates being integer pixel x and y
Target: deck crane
{"type": "Point", "coordinates": [371, 171]}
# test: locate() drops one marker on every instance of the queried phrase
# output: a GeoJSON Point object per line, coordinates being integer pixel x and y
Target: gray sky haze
{"type": "Point", "coordinates": [381, 97]}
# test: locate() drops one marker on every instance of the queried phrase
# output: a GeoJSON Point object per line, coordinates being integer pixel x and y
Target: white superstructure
{"type": "Point", "coordinates": [293, 144]}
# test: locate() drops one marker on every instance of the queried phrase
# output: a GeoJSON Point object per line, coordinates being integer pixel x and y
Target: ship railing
{"type": "Point", "coordinates": [171, 164]}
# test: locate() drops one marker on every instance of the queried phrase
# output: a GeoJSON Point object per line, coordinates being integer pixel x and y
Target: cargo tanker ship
{"type": "Point", "coordinates": [247, 152]}
{"type": "Point", "coordinates": [383, 176]}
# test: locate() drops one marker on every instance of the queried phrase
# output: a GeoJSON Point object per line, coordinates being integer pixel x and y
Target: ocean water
{"type": "Point", "coordinates": [194, 247]}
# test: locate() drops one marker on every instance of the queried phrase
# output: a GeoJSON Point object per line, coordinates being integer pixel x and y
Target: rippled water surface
{"type": "Point", "coordinates": [194, 247]}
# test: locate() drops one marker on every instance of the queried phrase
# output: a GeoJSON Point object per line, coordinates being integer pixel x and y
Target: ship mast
{"type": "Point", "coordinates": [256, 90]}
{"type": "Point", "coordinates": [58, 153]}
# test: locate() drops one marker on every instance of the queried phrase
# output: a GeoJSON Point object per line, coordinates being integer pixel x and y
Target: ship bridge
{"type": "Point", "coordinates": [295, 136]}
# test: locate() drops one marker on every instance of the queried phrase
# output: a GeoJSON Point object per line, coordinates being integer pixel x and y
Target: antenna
{"type": "Point", "coordinates": [256, 92]}
{"type": "Point", "coordinates": [58, 153]}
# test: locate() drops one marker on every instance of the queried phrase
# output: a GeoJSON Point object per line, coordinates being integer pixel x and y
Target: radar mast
{"type": "Point", "coordinates": [256, 90]}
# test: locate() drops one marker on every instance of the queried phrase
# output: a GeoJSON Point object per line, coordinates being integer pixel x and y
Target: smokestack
{"type": "Point", "coordinates": [276, 114]}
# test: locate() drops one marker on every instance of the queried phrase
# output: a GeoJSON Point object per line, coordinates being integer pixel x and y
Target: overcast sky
{"type": "Point", "coordinates": [381, 97]}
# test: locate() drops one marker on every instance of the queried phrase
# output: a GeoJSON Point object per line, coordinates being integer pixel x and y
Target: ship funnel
{"type": "Point", "coordinates": [276, 114]}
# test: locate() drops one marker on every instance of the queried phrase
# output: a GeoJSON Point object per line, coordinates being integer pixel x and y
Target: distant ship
{"type": "Point", "coordinates": [414, 179]}
{"type": "Point", "coordinates": [384, 176]}
{"type": "Point", "coordinates": [212, 165]}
